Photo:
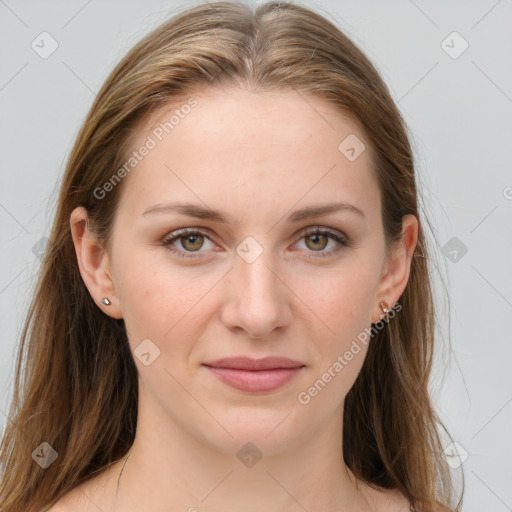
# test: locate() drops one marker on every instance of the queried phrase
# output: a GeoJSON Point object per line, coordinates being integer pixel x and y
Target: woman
{"type": "Point", "coordinates": [234, 311]}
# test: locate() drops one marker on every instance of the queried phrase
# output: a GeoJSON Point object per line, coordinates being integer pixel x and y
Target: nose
{"type": "Point", "coordinates": [258, 298]}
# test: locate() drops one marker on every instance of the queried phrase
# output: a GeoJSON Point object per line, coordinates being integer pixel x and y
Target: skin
{"type": "Point", "coordinates": [257, 158]}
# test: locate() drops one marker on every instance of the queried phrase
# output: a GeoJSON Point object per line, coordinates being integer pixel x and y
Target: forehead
{"type": "Point", "coordinates": [258, 149]}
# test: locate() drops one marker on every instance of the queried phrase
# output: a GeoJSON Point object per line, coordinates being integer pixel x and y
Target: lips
{"type": "Point", "coordinates": [255, 375]}
{"type": "Point", "coordinates": [248, 363]}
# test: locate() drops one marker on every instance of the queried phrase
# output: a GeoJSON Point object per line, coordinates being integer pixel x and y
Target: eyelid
{"type": "Point", "coordinates": [177, 233]}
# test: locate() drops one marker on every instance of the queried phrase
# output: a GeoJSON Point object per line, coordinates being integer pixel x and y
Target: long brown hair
{"type": "Point", "coordinates": [76, 382]}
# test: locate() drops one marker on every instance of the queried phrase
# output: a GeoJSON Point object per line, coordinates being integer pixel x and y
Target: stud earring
{"type": "Point", "coordinates": [384, 306]}
{"type": "Point", "coordinates": [106, 301]}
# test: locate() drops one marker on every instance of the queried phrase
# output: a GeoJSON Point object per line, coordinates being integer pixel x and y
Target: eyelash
{"type": "Point", "coordinates": [182, 233]}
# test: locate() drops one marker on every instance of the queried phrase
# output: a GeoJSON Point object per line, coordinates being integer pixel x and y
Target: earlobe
{"type": "Point", "coordinates": [396, 276]}
{"type": "Point", "coordinates": [93, 263]}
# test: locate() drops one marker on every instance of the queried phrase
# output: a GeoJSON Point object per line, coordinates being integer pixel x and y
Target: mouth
{"type": "Point", "coordinates": [255, 375]}
{"type": "Point", "coordinates": [255, 381]}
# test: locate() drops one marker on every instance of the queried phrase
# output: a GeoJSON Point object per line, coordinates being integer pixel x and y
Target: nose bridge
{"type": "Point", "coordinates": [257, 277]}
{"type": "Point", "coordinates": [260, 304]}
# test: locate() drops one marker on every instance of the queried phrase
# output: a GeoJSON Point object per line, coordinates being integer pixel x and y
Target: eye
{"type": "Point", "coordinates": [187, 241]}
{"type": "Point", "coordinates": [318, 239]}
{"type": "Point", "coordinates": [190, 240]}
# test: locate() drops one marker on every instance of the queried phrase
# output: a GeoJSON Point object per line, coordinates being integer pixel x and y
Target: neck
{"type": "Point", "coordinates": [168, 468]}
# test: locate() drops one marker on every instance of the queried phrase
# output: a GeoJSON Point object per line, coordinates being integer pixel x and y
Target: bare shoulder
{"type": "Point", "coordinates": [89, 496]}
{"type": "Point", "coordinates": [396, 501]}
{"type": "Point", "coordinates": [387, 500]}
{"type": "Point", "coordinates": [71, 501]}
{"type": "Point", "coordinates": [392, 500]}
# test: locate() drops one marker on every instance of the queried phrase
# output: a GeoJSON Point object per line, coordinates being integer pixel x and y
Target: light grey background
{"type": "Point", "coordinates": [458, 111]}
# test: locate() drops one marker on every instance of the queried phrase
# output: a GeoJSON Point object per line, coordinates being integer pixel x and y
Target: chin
{"type": "Point", "coordinates": [270, 430]}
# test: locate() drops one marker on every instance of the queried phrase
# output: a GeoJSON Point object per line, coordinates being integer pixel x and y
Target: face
{"type": "Point", "coordinates": [262, 281]}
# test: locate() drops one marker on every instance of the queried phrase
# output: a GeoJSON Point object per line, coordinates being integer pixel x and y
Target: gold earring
{"type": "Point", "coordinates": [105, 301]}
{"type": "Point", "coordinates": [384, 306]}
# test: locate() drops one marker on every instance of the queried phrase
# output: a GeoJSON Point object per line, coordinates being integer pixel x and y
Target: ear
{"type": "Point", "coordinates": [397, 271]}
{"type": "Point", "coordinates": [93, 262]}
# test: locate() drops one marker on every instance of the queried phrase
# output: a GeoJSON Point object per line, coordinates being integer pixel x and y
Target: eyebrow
{"type": "Point", "coordinates": [199, 212]}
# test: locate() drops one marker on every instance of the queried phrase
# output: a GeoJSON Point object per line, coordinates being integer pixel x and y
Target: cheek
{"type": "Point", "coordinates": [158, 299]}
{"type": "Point", "coordinates": [343, 298]}
{"type": "Point", "coordinates": [341, 304]}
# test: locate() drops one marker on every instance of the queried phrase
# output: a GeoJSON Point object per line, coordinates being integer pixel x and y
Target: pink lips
{"type": "Point", "coordinates": [255, 375]}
